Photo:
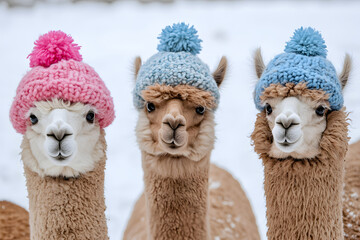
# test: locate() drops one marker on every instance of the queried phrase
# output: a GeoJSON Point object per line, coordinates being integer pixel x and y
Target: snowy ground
{"type": "Point", "coordinates": [112, 35]}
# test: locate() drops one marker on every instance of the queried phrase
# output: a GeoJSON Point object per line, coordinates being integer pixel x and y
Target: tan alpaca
{"type": "Point", "coordinates": [351, 197]}
{"type": "Point", "coordinates": [304, 186]}
{"type": "Point", "coordinates": [65, 201]}
{"type": "Point", "coordinates": [185, 196]}
{"type": "Point", "coordinates": [14, 222]}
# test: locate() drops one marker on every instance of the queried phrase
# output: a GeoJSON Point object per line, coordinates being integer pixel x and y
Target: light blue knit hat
{"type": "Point", "coordinates": [175, 64]}
{"type": "Point", "coordinates": [304, 60]}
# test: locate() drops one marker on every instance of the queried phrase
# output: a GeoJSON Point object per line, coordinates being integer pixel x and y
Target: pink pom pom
{"type": "Point", "coordinates": [52, 47]}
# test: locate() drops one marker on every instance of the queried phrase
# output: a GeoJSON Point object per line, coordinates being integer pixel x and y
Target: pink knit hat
{"type": "Point", "coordinates": [58, 72]}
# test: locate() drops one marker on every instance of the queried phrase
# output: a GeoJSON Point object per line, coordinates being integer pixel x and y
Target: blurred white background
{"type": "Point", "coordinates": [112, 35]}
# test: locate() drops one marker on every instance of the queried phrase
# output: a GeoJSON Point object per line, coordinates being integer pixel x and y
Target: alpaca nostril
{"type": "Point", "coordinates": [173, 126]}
{"type": "Point", "coordinates": [59, 136]}
{"type": "Point", "coordinates": [174, 123]}
{"type": "Point", "coordinates": [287, 124]}
{"type": "Point", "coordinates": [287, 120]}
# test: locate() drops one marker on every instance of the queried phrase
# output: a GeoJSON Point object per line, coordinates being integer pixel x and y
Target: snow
{"type": "Point", "coordinates": [214, 184]}
{"type": "Point", "coordinates": [354, 195]}
{"type": "Point", "coordinates": [227, 203]}
{"type": "Point", "coordinates": [113, 34]}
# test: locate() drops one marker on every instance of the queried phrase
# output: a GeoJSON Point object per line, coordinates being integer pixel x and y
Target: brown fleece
{"type": "Point", "coordinates": [351, 197]}
{"type": "Point", "coordinates": [177, 202]}
{"type": "Point", "coordinates": [14, 222]}
{"type": "Point", "coordinates": [171, 208]}
{"type": "Point", "coordinates": [290, 90]}
{"type": "Point", "coordinates": [71, 208]}
{"type": "Point", "coordinates": [304, 196]}
{"type": "Point", "coordinates": [158, 93]}
{"type": "Point", "coordinates": [177, 208]}
{"type": "Point", "coordinates": [231, 216]}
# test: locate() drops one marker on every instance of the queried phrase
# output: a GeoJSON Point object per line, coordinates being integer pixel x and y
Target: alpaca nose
{"type": "Point", "coordinates": [174, 122]}
{"type": "Point", "coordinates": [287, 120]}
{"type": "Point", "coordinates": [58, 131]}
{"type": "Point", "coordinates": [60, 135]}
{"type": "Point", "coordinates": [285, 123]}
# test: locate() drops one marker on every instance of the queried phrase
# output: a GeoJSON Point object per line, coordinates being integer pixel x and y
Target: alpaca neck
{"type": "Point", "coordinates": [177, 207]}
{"type": "Point", "coordinates": [304, 197]}
{"type": "Point", "coordinates": [67, 208]}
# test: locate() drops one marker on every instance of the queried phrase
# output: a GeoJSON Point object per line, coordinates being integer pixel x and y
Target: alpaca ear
{"type": "Point", "coordinates": [137, 65]}
{"type": "Point", "coordinates": [344, 75]}
{"type": "Point", "coordinates": [259, 63]}
{"type": "Point", "coordinates": [220, 71]}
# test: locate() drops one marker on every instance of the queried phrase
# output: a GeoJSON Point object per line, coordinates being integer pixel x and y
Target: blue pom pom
{"type": "Point", "coordinates": [179, 38]}
{"type": "Point", "coordinates": [308, 42]}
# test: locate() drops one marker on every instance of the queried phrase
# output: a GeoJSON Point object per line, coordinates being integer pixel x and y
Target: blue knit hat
{"type": "Point", "coordinates": [304, 60]}
{"type": "Point", "coordinates": [175, 64]}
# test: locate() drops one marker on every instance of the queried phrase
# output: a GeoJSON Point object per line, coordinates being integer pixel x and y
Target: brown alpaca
{"type": "Point", "coordinates": [351, 197]}
{"type": "Point", "coordinates": [303, 188]}
{"type": "Point", "coordinates": [185, 196]}
{"type": "Point", "coordinates": [14, 222]}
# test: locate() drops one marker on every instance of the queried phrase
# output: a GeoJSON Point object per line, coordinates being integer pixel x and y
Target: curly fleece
{"type": "Point", "coordinates": [67, 208]}
{"type": "Point", "coordinates": [175, 64]}
{"type": "Point", "coordinates": [65, 78]}
{"type": "Point", "coordinates": [304, 196]}
{"type": "Point", "coordinates": [304, 60]}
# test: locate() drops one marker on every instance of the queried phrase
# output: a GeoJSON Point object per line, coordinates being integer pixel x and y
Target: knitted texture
{"type": "Point", "coordinates": [175, 64]}
{"type": "Point", "coordinates": [304, 60]}
{"type": "Point", "coordinates": [67, 79]}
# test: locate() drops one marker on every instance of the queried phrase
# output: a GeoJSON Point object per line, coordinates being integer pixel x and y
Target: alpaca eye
{"type": "Point", "coordinates": [268, 109]}
{"type": "Point", "coordinates": [90, 117]}
{"type": "Point", "coordinates": [200, 110]}
{"type": "Point", "coordinates": [33, 119]}
{"type": "Point", "coordinates": [150, 107]}
{"type": "Point", "coordinates": [320, 111]}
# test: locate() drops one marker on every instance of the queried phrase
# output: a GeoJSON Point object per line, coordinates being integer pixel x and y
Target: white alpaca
{"type": "Point", "coordinates": [297, 119]}
{"type": "Point", "coordinates": [66, 143]}
{"type": "Point", "coordinates": [296, 127]}
{"type": "Point", "coordinates": [303, 145]}
{"type": "Point", "coordinates": [62, 107]}
{"type": "Point", "coordinates": [62, 139]}
{"type": "Point", "coordinates": [64, 159]}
